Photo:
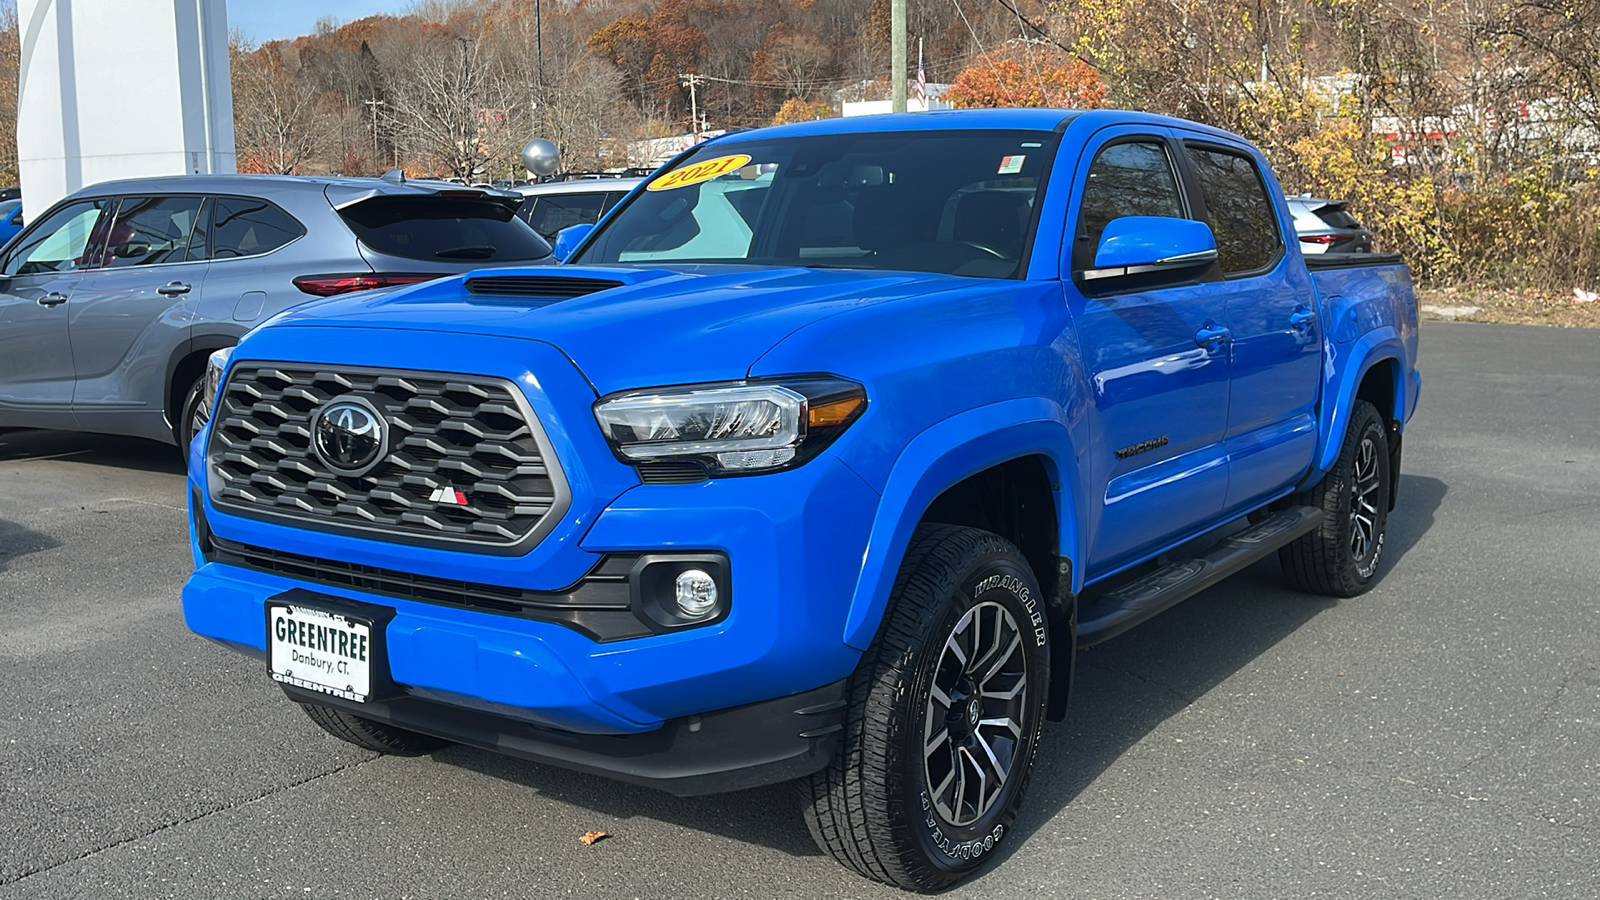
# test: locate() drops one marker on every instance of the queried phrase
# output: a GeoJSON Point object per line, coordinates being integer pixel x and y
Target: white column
{"type": "Point", "coordinates": [120, 89]}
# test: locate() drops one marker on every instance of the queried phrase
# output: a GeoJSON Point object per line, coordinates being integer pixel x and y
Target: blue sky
{"type": "Point", "coordinates": [270, 20]}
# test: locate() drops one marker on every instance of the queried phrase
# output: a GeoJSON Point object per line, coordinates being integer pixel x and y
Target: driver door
{"type": "Point", "coordinates": [1157, 367]}
{"type": "Point", "coordinates": [38, 277]}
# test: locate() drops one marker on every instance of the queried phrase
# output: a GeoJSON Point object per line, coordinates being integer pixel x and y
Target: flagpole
{"type": "Point", "coordinates": [922, 81]}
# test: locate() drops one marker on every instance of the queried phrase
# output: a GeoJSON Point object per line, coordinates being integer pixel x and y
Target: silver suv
{"type": "Point", "coordinates": [111, 300]}
{"type": "Point", "coordinates": [576, 200]}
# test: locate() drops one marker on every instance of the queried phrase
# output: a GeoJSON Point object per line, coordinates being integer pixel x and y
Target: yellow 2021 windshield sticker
{"type": "Point", "coordinates": [700, 171]}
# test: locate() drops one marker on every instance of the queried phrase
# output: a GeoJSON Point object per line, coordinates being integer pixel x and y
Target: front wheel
{"type": "Point", "coordinates": [944, 717]}
{"type": "Point", "coordinates": [1340, 559]}
{"type": "Point", "coordinates": [191, 415]}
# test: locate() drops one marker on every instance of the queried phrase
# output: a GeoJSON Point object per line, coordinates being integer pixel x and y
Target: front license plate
{"type": "Point", "coordinates": [320, 650]}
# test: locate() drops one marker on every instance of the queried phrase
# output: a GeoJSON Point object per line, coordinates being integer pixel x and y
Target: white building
{"type": "Point", "coordinates": [121, 89]}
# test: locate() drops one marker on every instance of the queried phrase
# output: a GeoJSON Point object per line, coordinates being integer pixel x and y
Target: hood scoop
{"type": "Point", "coordinates": [540, 287]}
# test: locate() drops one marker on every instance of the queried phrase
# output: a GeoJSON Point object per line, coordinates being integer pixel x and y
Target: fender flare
{"type": "Point", "coordinates": [1374, 347]}
{"type": "Point", "coordinates": [944, 455]}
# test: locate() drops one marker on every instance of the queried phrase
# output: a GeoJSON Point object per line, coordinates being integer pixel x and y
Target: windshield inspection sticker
{"type": "Point", "coordinates": [700, 171]}
{"type": "Point", "coordinates": [1011, 165]}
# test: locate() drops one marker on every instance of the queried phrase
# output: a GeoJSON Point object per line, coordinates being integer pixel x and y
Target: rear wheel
{"type": "Point", "coordinates": [944, 717]}
{"type": "Point", "coordinates": [371, 735]}
{"type": "Point", "coordinates": [1341, 557]}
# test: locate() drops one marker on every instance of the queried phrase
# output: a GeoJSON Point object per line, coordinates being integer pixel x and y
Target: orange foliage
{"type": "Point", "coordinates": [796, 110]}
{"type": "Point", "coordinates": [994, 81]}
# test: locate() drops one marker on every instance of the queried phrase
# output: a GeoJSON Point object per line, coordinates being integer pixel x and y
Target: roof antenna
{"type": "Point", "coordinates": [394, 176]}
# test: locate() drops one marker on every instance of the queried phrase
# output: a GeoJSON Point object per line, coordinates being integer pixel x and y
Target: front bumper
{"type": "Point", "coordinates": [726, 750]}
{"type": "Point", "coordinates": [792, 540]}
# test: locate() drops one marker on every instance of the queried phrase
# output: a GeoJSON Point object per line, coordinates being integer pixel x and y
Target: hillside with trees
{"type": "Point", "coordinates": [1466, 132]}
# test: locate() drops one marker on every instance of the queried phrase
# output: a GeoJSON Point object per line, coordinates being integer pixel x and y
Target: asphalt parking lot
{"type": "Point", "coordinates": [1437, 737]}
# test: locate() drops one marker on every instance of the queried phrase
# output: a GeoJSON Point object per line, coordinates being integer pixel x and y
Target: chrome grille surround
{"type": "Point", "coordinates": [472, 434]}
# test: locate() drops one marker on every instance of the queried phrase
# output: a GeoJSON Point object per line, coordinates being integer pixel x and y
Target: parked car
{"type": "Point", "coordinates": [819, 459]}
{"type": "Point", "coordinates": [1326, 226]}
{"type": "Point", "coordinates": [554, 205]}
{"type": "Point", "coordinates": [111, 300]}
{"type": "Point", "coordinates": [10, 220]}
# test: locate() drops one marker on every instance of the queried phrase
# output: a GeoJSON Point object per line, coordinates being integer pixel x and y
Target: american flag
{"type": "Point", "coordinates": [922, 81]}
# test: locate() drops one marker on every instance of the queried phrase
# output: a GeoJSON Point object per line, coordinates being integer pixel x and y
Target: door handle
{"type": "Point", "coordinates": [54, 298]}
{"type": "Point", "coordinates": [1300, 320]}
{"type": "Point", "coordinates": [1211, 335]}
{"type": "Point", "coordinates": [173, 289]}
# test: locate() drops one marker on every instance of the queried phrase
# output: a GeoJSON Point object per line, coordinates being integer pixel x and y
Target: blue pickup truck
{"type": "Point", "coordinates": [818, 460]}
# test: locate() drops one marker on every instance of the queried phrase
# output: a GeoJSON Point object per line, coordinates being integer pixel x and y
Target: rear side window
{"type": "Point", "coordinates": [1133, 178]}
{"type": "Point", "coordinates": [444, 228]}
{"type": "Point", "coordinates": [1241, 212]}
{"type": "Point", "coordinates": [246, 226]}
{"type": "Point", "coordinates": [550, 213]}
{"type": "Point", "coordinates": [151, 230]}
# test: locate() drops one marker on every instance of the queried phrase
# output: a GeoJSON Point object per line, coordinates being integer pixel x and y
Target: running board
{"type": "Point", "coordinates": [1130, 604]}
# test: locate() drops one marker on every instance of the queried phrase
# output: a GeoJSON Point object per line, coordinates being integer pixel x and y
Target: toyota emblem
{"type": "Point", "coordinates": [349, 436]}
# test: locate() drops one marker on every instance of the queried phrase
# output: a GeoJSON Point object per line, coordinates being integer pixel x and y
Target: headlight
{"type": "Point", "coordinates": [216, 367]}
{"type": "Point", "coordinates": [731, 429]}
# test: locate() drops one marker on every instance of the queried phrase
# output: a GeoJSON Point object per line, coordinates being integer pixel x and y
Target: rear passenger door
{"type": "Point", "coordinates": [131, 314]}
{"type": "Point", "coordinates": [1272, 312]}
{"type": "Point", "coordinates": [1156, 359]}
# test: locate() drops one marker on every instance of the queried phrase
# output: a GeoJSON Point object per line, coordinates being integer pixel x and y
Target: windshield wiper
{"type": "Point", "coordinates": [482, 252]}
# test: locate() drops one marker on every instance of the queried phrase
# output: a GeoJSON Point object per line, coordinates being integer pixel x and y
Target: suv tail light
{"type": "Point", "coordinates": [329, 285]}
{"type": "Point", "coordinates": [1318, 238]}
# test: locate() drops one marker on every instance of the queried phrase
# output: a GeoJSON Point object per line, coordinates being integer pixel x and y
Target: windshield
{"type": "Point", "coordinates": [956, 202]}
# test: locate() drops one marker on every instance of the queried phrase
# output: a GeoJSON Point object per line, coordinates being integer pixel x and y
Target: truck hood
{"type": "Point", "coordinates": [682, 325]}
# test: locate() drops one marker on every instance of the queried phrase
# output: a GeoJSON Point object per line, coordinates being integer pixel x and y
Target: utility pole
{"type": "Point", "coordinates": [691, 81]}
{"type": "Point", "coordinates": [373, 104]}
{"type": "Point", "coordinates": [897, 54]}
{"type": "Point", "coordinates": [538, 55]}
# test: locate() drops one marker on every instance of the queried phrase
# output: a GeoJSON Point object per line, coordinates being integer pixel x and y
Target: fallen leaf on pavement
{"type": "Point", "coordinates": [590, 837]}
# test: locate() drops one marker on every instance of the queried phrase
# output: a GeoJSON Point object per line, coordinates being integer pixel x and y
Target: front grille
{"type": "Point", "coordinates": [549, 287]}
{"type": "Point", "coordinates": [451, 438]}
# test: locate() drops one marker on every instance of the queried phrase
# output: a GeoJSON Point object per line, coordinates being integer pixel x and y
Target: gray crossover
{"type": "Point", "coordinates": [111, 300]}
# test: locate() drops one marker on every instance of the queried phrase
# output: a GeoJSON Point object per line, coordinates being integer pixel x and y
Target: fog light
{"type": "Point", "coordinates": [697, 593]}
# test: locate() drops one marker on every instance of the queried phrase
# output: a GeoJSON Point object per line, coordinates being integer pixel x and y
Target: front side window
{"type": "Point", "coordinates": [1132, 178]}
{"type": "Point", "coordinates": [1241, 212]}
{"type": "Point", "coordinates": [246, 226]}
{"type": "Point", "coordinates": [60, 243]}
{"type": "Point", "coordinates": [150, 230]}
{"type": "Point", "coordinates": [955, 202]}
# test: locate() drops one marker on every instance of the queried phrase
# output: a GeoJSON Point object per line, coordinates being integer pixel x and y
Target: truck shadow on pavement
{"type": "Point", "coordinates": [92, 449]}
{"type": "Point", "coordinates": [1125, 689]}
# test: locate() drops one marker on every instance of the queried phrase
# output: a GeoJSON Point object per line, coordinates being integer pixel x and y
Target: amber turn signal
{"type": "Point", "coordinates": [834, 412]}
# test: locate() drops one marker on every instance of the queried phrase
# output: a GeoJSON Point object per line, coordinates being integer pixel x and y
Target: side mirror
{"type": "Point", "coordinates": [568, 239]}
{"type": "Point", "coordinates": [1137, 245]}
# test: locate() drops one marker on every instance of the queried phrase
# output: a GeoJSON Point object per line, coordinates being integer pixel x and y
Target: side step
{"type": "Point", "coordinates": [1130, 604]}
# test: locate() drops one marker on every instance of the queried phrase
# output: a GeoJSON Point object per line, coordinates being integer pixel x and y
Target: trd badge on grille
{"type": "Point", "coordinates": [350, 436]}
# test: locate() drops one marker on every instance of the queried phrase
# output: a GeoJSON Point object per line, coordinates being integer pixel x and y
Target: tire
{"type": "Point", "coordinates": [191, 418]}
{"type": "Point", "coordinates": [371, 735]}
{"type": "Point", "coordinates": [885, 808]}
{"type": "Point", "coordinates": [1340, 559]}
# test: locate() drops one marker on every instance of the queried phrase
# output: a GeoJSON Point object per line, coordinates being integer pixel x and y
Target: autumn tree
{"type": "Point", "coordinates": [996, 80]}
{"type": "Point", "coordinates": [278, 127]}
